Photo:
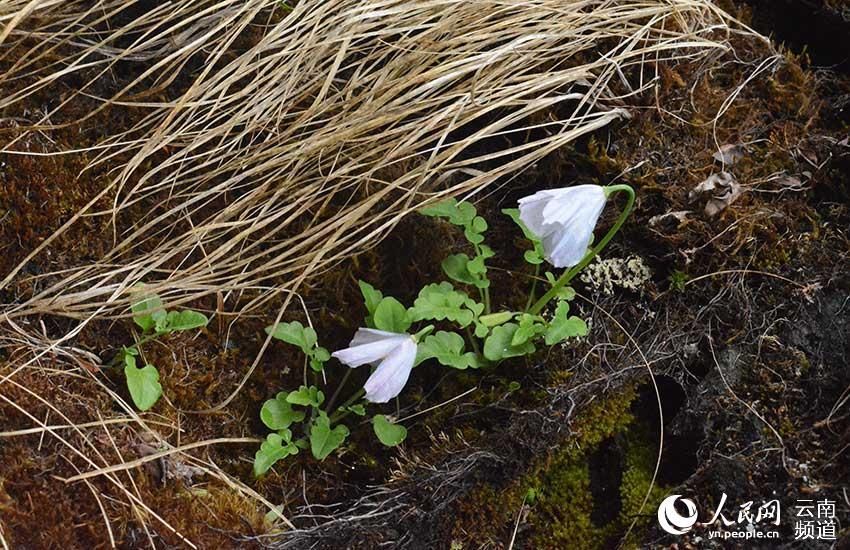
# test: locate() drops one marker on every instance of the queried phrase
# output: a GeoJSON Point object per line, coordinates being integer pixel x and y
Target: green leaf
{"type": "Point", "coordinates": [565, 292]}
{"type": "Point", "coordinates": [306, 397]}
{"type": "Point", "coordinates": [455, 266]}
{"type": "Point", "coordinates": [513, 213]}
{"type": "Point", "coordinates": [533, 257]}
{"type": "Point", "coordinates": [371, 297]}
{"type": "Point", "coordinates": [391, 316]}
{"type": "Point", "coordinates": [465, 214]}
{"type": "Point", "coordinates": [537, 255]}
{"type": "Point", "coordinates": [442, 209]}
{"type": "Point", "coordinates": [185, 320]}
{"type": "Point", "coordinates": [476, 266]}
{"type": "Point", "coordinates": [143, 383]}
{"type": "Point", "coordinates": [562, 327]}
{"type": "Point", "coordinates": [278, 413]}
{"type": "Point", "coordinates": [447, 348]}
{"type": "Point", "coordinates": [388, 433]}
{"type": "Point", "coordinates": [498, 345]}
{"type": "Point", "coordinates": [496, 319]}
{"type": "Point", "coordinates": [318, 356]}
{"type": "Point", "coordinates": [458, 213]}
{"type": "Point", "coordinates": [323, 439]}
{"type": "Point", "coordinates": [479, 224]}
{"type": "Point", "coordinates": [274, 448]}
{"type": "Point", "coordinates": [149, 313]}
{"type": "Point", "coordinates": [528, 329]}
{"type": "Point", "coordinates": [296, 334]}
{"type": "Point", "coordinates": [441, 301]}
{"type": "Point", "coordinates": [358, 409]}
{"type": "Point", "coordinates": [473, 237]}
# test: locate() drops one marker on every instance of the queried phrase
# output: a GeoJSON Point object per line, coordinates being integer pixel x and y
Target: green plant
{"type": "Point", "coordinates": [154, 321]}
{"type": "Point", "coordinates": [678, 280]}
{"type": "Point", "coordinates": [470, 335]}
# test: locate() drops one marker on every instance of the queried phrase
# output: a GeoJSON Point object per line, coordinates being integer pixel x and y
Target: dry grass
{"type": "Point", "coordinates": [275, 142]}
{"type": "Point", "coordinates": [341, 118]}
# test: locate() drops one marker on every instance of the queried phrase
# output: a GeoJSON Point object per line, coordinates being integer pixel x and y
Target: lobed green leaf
{"type": "Point", "coordinates": [143, 384]}
{"type": "Point", "coordinates": [562, 327]}
{"type": "Point", "coordinates": [275, 447]}
{"type": "Point", "coordinates": [391, 316]}
{"type": "Point", "coordinates": [324, 439]}
{"type": "Point", "coordinates": [448, 349]}
{"type": "Point", "coordinates": [498, 346]}
{"type": "Point", "coordinates": [278, 414]}
{"type": "Point", "coordinates": [388, 433]}
{"type": "Point", "coordinates": [441, 301]}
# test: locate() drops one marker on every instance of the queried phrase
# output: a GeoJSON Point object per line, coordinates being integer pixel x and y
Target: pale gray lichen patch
{"type": "Point", "coordinates": [626, 273]}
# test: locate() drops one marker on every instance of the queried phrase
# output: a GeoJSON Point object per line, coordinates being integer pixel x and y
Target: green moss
{"type": "Point", "coordinates": [561, 510]}
{"type": "Point", "coordinates": [638, 468]}
{"type": "Point", "coordinates": [562, 517]}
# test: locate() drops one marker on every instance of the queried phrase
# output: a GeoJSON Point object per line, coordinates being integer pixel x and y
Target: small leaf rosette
{"type": "Point", "coordinates": [392, 352]}
{"type": "Point", "coordinates": [564, 220]}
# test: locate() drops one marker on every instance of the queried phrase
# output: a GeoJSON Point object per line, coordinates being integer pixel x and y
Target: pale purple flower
{"type": "Point", "coordinates": [563, 219]}
{"type": "Point", "coordinates": [394, 355]}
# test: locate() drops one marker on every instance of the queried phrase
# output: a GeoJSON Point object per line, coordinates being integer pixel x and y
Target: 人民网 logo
{"type": "Point", "coordinates": [671, 520]}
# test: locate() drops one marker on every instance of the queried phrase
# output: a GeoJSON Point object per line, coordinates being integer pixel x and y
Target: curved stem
{"type": "Point", "coordinates": [568, 276]}
{"type": "Point", "coordinates": [533, 287]}
{"type": "Point", "coordinates": [116, 361]}
{"type": "Point", "coordinates": [340, 413]}
{"type": "Point", "coordinates": [339, 387]}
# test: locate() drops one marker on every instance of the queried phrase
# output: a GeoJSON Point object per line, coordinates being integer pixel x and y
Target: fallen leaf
{"type": "Point", "coordinates": [670, 219]}
{"type": "Point", "coordinates": [722, 188]}
{"type": "Point", "coordinates": [789, 182]}
{"type": "Point", "coordinates": [730, 153]}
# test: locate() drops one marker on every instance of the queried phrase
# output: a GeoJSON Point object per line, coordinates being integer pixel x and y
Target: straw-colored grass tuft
{"type": "Point", "coordinates": [299, 137]}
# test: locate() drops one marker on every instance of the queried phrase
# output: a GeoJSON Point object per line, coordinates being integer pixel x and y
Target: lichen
{"type": "Point", "coordinates": [627, 273]}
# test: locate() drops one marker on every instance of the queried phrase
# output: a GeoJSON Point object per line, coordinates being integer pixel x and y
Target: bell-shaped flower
{"type": "Point", "coordinates": [563, 219]}
{"type": "Point", "coordinates": [394, 355]}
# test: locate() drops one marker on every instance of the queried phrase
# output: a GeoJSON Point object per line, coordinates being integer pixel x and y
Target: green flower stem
{"type": "Point", "coordinates": [485, 292]}
{"type": "Point", "coordinates": [340, 413]}
{"type": "Point", "coordinates": [568, 276]}
{"type": "Point", "coordinates": [473, 342]}
{"type": "Point", "coordinates": [117, 360]}
{"type": "Point", "coordinates": [339, 387]}
{"type": "Point", "coordinates": [533, 287]}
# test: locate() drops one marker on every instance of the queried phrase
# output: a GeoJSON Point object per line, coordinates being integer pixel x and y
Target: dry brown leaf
{"type": "Point", "coordinates": [672, 219]}
{"type": "Point", "coordinates": [730, 153]}
{"type": "Point", "coordinates": [722, 190]}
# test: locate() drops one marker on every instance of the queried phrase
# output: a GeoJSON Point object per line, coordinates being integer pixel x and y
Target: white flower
{"type": "Point", "coordinates": [563, 219]}
{"type": "Point", "coordinates": [393, 353]}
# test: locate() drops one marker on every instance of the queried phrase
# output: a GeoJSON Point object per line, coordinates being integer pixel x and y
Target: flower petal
{"type": "Point", "coordinates": [391, 375]}
{"type": "Point", "coordinates": [370, 335]}
{"type": "Point", "coordinates": [564, 220]}
{"type": "Point", "coordinates": [531, 212]}
{"type": "Point", "coordinates": [368, 346]}
{"type": "Point", "coordinates": [566, 248]}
